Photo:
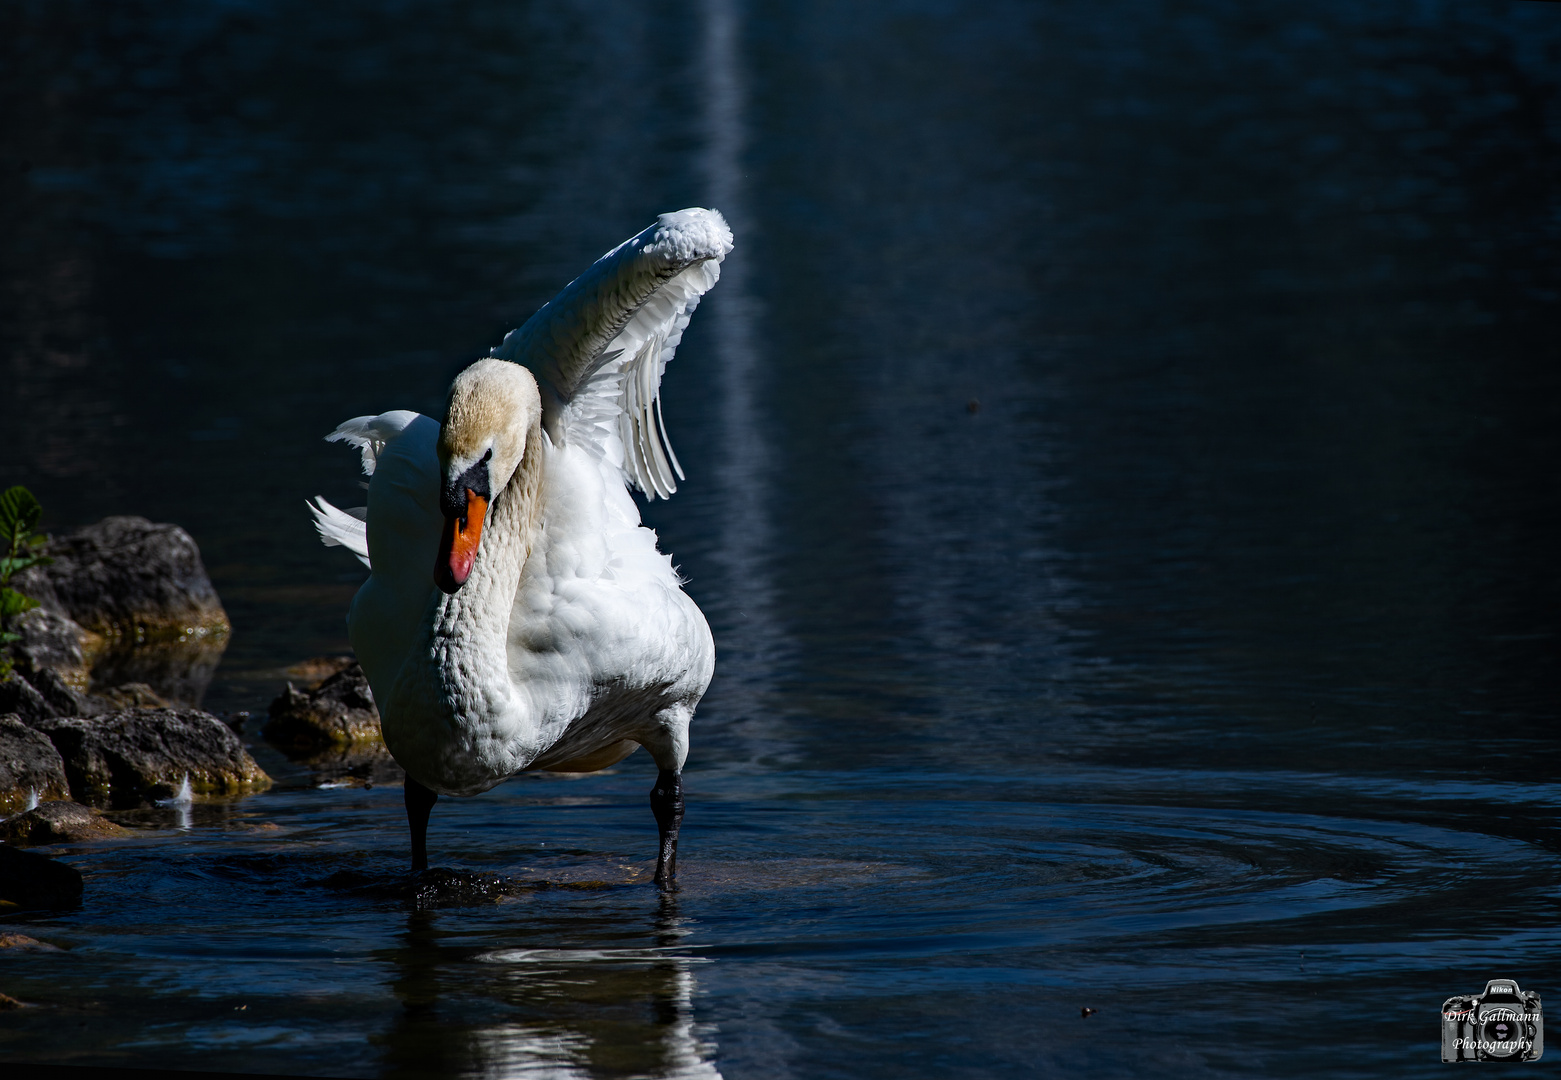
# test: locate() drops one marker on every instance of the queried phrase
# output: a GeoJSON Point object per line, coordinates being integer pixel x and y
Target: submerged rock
{"type": "Point", "coordinates": [58, 823]}
{"type": "Point", "coordinates": [30, 767]}
{"type": "Point", "coordinates": [23, 943]}
{"type": "Point", "coordinates": [30, 880]}
{"type": "Point", "coordinates": [440, 888]}
{"type": "Point", "coordinates": [136, 757]}
{"type": "Point", "coordinates": [339, 712]}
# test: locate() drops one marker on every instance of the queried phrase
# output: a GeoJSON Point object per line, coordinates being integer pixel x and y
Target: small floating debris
{"type": "Point", "coordinates": [182, 800]}
{"type": "Point", "coordinates": [183, 797]}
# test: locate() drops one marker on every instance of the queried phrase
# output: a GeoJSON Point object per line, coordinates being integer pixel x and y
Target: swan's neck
{"type": "Point", "coordinates": [471, 626]}
{"type": "Point", "coordinates": [463, 688]}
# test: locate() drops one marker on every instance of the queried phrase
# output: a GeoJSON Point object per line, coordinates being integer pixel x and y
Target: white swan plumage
{"type": "Point", "coordinates": [517, 614]}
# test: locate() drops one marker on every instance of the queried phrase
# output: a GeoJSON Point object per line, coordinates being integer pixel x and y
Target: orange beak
{"type": "Point", "coordinates": [458, 544]}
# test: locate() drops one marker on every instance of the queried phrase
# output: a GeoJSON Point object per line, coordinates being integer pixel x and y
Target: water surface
{"type": "Point", "coordinates": [1122, 486]}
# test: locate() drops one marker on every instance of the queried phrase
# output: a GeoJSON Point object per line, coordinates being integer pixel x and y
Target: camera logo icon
{"type": "Point", "coordinates": [1504, 1023]}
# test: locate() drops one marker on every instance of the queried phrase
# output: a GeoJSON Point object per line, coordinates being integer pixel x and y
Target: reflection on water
{"type": "Point", "coordinates": [519, 1050]}
{"type": "Point", "coordinates": [656, 984]}
{"type": "Point", "coordinates": [176, 671]}
{"type": "Point", "coordinates": [1120, 483]}
{"type": "Point", "coordinates": [546, 1011]}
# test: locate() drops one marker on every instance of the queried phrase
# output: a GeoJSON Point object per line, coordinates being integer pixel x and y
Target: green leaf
{"type": "Point", "coordinates": [20, 512]}
{"type": "Point", "coordinates": [10, 565]}
{"type": "Point", "coordinates": [14, 603]}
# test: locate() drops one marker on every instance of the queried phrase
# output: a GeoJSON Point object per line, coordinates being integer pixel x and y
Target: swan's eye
{"type": "Point", "coordinates": [453, 497]}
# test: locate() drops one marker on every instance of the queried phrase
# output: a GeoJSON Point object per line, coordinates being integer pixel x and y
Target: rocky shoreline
{"type": "Point", "coordinates": [126, 615]}
{"type": "Point", "coordinates": [100, 687]}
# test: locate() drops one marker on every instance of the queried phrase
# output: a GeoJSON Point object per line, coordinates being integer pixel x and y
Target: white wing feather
{"type": "Point", "coordinates": [370, 434]}
{"type": "Point", "coordinates": [599, 348]}
{"type": "Point", "coordinates": [348, 527]}
{"type": "Point", "coordinates": [342, 528]}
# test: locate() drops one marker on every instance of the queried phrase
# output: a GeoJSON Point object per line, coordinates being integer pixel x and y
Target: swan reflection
{"type": "Point", "coordinates": [548, 1012]}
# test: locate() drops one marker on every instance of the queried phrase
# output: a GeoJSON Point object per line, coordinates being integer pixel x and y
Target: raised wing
{"type": "Point", "coordinates": [598, 348]}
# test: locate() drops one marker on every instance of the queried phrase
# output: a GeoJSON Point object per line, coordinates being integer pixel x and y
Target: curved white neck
{"type": "Point", "coordinates": [459, 667]}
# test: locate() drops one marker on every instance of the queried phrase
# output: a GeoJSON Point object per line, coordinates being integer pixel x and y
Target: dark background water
{"type": "Point", "coordinates": [1206, 675]}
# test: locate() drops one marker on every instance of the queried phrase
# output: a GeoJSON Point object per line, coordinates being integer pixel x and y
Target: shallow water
{"type": "Point", "coordinates": [1203, 672]}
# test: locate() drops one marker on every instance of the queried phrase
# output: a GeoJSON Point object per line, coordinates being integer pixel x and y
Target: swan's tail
{"type": "Point", "coordinates": [370, 434]}
{"type": "Point", "coordinates": [342, 528]}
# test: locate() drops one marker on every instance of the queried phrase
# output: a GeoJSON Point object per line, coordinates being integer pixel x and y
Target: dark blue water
{"type": "Point", "coordinates": [1123, 485]}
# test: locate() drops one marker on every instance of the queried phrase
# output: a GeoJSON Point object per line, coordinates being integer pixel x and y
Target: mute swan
{"type": "Point", "coordinates": [517, 614]}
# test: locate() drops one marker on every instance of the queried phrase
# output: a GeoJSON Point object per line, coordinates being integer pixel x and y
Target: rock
{"type": "Point", "coordinates": [339, 712]}
{"type": "Point", "coordinates": [23, 943]}
{"type": "Point", "coordinates": [7, 1002]}
{"type": "Point", "coordinates": [37, 693]}
{"type": "Point", "coordinates": [361, 764]}
{"type": "Point", "coordinates": [19, 698]}
{"type": "Point", "coordinates": [30, 767]}
{"type": "Point", "coordinates": [126, 578]}
{"type": "Point", "coordinates": [62, 698]}
{"type": "Point", "coordinates": [58, 823]}
{"type": "Point", "coordinates": [256, 826]}
{"type": "Point", "coordinates": [124, 601]}
{"type": "Point", "coordinates": [317, 669]}
{"type": "Point", "coordinates": [135, 695]}
{"type": "Point", "coordinates": [53, 640]}
{"type": "Point", "coordinates": [30, 880]}
{"type": "Point", "coordinates": [137, 756]}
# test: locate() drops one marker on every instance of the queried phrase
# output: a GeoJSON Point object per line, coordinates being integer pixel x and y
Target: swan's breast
{"type": "Point", "coordinates": [600, 623]}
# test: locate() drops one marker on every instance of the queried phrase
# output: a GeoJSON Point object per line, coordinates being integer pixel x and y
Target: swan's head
{"type": "Point", "coordinates": [493, 406]}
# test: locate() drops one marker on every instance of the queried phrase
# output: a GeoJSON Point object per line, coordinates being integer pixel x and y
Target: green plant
{"type": "Point", "coordinates": [19, 515]}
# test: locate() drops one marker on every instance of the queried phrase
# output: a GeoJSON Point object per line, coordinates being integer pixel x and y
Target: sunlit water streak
{"type": "Point", "coordinates": [750, 639]}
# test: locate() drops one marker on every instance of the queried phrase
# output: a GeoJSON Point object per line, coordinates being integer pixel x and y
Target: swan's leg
{"type": "Point", "coordinates": [668, 745]}
{"type": "Point", "coordinates": [419, 802]}
{"type": "Point", "coordinates": [666, 802]}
